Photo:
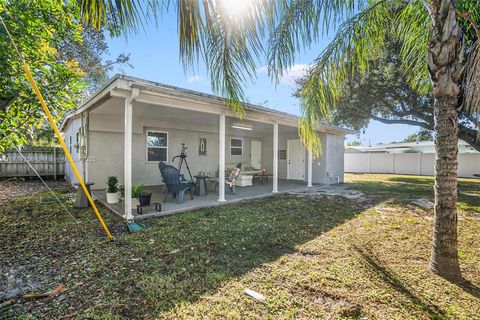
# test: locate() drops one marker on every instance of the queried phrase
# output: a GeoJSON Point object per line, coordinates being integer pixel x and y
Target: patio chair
{"type": "Point", "coordinates": [174, 183]}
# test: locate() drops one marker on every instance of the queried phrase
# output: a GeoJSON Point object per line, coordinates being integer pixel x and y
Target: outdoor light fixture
{"type": "Point", "coordinates": [242, 126]}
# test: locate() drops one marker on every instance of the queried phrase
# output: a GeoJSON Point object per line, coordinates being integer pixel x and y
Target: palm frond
{"type": "Point", "coordinates": [413, 31]}
{"type": "Point", "coordinates": [302, 23]}
{"type": "Point", "coordinates": [471, 92]}
{"type": "Point", "coordinates": [190, 29]}
{"type": "Point", "coordinates": [229, 43]}
{"type": "Point", "coordinates": [127, 15]}
{"type": "Point", "coordinates": [358, 40]}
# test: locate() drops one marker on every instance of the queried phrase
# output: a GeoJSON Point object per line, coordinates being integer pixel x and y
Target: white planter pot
{"type": "Point", "coordinates": [113, 197]}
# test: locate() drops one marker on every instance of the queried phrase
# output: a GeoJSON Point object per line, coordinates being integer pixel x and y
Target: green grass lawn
{"type": "Point", "coordinates": [311, 258]}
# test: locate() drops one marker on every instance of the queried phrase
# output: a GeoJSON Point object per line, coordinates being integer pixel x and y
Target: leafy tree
{"type": "Point", "coordinates": [89, 53]}
{"type": "Point", "coordinates": [383, 93]}
{"type": "Point", "coordinates": [65, 57]}
{"type": "Point", "coordinates": [422, 135]}
{"type": "Point", "coordinates": [230, 42]}
{"type": "Point", "coordinates": [353, 143]}
{"type": "Point", "coordinates": [38, 27]}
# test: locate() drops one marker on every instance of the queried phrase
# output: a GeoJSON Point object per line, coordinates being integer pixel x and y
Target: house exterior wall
{"type": "Point", "coordinates": [70, 135]}
{"type": "Point", "coordinates": [334, 152]}
{"type": "Point", "coordinates": [319, 174]}
{"type": "Point", "coordinates": [107, 130]}
{"type": "Point", "coordinates": [319, 165]}
{"type": "Point", "coordinates": [106, 147]}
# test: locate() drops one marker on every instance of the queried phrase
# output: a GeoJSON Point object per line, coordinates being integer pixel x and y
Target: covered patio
{"type": "Point", "coordinates": [133, 125]}
{"type": "Point", "coordinates": [257, 190]}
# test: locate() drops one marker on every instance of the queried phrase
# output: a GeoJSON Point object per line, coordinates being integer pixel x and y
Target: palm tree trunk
{"type": "Point", "coordinates": [445, 61]}
{"type": "Point", "coordinates": [444, 259]}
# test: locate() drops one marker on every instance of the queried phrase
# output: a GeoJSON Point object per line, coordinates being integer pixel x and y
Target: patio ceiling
{"type": "Point", "coordinates": [115, 106]}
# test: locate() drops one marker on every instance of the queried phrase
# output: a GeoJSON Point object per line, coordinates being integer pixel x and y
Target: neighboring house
{"type": "Point", "coordinates": [131, 124]}
{"type": "Point", "coordinates": [407, 158]}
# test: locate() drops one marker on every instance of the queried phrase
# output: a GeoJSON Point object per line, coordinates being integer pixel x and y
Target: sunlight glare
{"type": "Point", "coordinates": [235, 8]}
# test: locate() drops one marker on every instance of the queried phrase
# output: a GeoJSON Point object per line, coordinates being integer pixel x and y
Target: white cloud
{"type": "Point", "coordinates": [262, 69]}
{"type": "Point", "coordinates": [296, 71]}
{"type": "Point", "coordinates": [290, 75]}
{"type": "Point", "coordinates": [195, 79]}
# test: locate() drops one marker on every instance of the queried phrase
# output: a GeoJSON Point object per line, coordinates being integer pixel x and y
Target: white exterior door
{"type": "Point", "coordinates": [256, 154]}
{"type": "Point", "coordinates": [295, 160]}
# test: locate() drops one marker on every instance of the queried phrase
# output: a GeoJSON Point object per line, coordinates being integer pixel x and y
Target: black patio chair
{"type": "Point", "coordinates": [174, 183]}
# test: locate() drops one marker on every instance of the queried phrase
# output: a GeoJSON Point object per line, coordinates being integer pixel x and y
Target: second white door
{"type": "Point", "coordinates": [295, 160]}
{"type": "Point", "coordinates": [256, 154]}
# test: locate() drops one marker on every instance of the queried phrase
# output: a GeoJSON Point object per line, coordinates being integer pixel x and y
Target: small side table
{"type": "Point", "coordinates": [263, 176]}
{"type": "Point", "coordinates": [81, 200]}
{"type": "Point", "coordinates": [201, 185]}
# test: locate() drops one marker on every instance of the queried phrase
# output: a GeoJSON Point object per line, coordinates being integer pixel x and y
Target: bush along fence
{"type": "Point", "coordinates": [47, 161]}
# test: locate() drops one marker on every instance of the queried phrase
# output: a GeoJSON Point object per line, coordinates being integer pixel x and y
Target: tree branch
{"type": "Point", "coordinates": [470, 136]}
{"type": "Point", "coordinates": [403, 121]}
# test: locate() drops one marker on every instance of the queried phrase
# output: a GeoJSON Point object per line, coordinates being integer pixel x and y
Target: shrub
{"type": "Point", "coordinates": [112, 184]}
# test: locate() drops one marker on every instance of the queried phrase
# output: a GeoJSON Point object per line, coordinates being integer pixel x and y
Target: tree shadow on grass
{"type": "Point", "coordinates": [175, 260]}
{"type": "Point", "coordinates": [219, 244]}
{"type": "Point", "coordinates": [470, 288]}
{"type": "Point", "coordinates": [463, 183]}
{"type": "Point", "coordinates": [393, 280]}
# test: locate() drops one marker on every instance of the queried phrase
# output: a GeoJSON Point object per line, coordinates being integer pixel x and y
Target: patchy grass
{"type": "Point", "coordinates": [412, 187]}
{"type": "Point", "coordinates": [311, 258]}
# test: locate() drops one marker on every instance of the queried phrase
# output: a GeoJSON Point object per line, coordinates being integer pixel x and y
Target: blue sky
{"type": "Point", "coordinates": [154, 56]}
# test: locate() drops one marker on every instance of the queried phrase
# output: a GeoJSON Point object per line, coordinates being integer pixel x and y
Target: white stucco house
{"type": "Point", "coordinates": [111, 134]}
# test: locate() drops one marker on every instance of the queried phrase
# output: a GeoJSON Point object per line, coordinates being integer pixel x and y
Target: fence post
{"type": "Point", "coordinates": [420, 169]}
{"type": "Point", "coordinates": [393, 162]}
{"type": "Point", "coordinates": [369, 162]}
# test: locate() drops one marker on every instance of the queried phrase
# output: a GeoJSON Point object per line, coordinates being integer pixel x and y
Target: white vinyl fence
{"type": "Point", "coordinates": [407, 163]}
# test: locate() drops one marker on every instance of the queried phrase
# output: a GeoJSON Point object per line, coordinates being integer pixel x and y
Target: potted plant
{"type": "Point", "coordinates": [144, 198]}
{"type": "Point", "coordinates": [113, 194]}
{"type": "Point", "coordinates": [136, 192]}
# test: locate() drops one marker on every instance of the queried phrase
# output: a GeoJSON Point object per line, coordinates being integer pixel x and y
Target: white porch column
{"type": "Point", "coordinates": [275, 157]}
{"type": "Point", "coordinates": [221, 159]}
{"type": "Point", "coordinates": [128, 153]}
{"type": "Point", "coordinates": [309, 172]}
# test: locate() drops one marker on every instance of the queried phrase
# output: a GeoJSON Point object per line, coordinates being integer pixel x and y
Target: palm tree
{"type": "Point", "coordinates": [437, 36]}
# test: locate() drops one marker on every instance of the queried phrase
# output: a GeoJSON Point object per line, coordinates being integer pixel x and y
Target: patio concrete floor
{"type": "Point", "coordinates": [258, 190]}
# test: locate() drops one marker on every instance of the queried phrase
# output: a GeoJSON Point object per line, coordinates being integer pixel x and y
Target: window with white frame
{"type": "Point", "coordinates": [157, 146]}
{"type": "Point", "coordinates": [236, 147]}
{"type": "Point", "coordinates": [70, 144]}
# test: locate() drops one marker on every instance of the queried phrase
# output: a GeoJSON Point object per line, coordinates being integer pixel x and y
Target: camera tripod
{"type": "Point", "coordinates": [183, 159]}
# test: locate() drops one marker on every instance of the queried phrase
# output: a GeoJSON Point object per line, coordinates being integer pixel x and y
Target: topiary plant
{"type": "Point", "coordinates": [112, 184]}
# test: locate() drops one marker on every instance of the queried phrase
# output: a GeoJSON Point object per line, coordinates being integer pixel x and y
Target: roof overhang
{"type": "Point", "coordinates": [156, 93]}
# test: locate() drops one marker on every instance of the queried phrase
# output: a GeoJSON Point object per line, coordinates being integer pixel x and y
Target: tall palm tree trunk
{"type": "Point", "coordinates": [445, 61]}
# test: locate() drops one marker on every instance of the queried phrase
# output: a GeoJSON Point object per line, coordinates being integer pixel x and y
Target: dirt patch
{"type": "Point", "coordinates": [20, 187]}
{"type": "Point", "coordinates": [16, 284]}
{"type": "Point", "coordinates": [334, 190]}
{"type": "Point", "coordinates": [345, 308]}
{"type": "Point", "coordinates": [423, 203]}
